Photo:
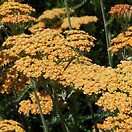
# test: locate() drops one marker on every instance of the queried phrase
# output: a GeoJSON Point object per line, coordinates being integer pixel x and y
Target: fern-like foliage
{"type": "Point", "coordinates": [21, 95]}
{"type": "Point", "coordinates": [78, 5]}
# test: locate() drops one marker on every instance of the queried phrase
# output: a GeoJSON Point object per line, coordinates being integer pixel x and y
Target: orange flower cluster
{"type": "Point", "coordinates": [79, 40]}
{"type": "Point", "coordinates": [130, 28]}
{"type": "Point", "coordinates": [15, 8]}
{"type": "Point", "coordinates": [47, 43]}
{"type": "Point", "coordinates": [12, 80]}
{"type": "Point", "coordinates": [122, 40]}
{"type": "Point", "coordinates": [35, 68]}
{"type": "Point", "coordinates": [6, 59]}
{"type": "Point", "coordinates": [52, 14]}
{"type": "Point", "coordinates": [120, 123]}
{"type": "Point", "coordinates": [10, 126]}
{"type": "Point", "coordinates": [76, 22]}
{"type": "Point", "coordinates": [16, 16]}
{"type": "Point", "coordinates": [37, 27]}
{"type": "Point", "coordinates": [12, 0]}
{"type": "Point", "coordinates": [17, 19]}
{"type": "Point", "coordinates": [30, 106]}
{"type": "Point", "coordinates": [44, 49]}
{"type": "Point", "coordinates": [119, 100]}
{"type": "Point", "coordinates": [121, 9]}
{"type": "Point", "coordinates": [52, 19]}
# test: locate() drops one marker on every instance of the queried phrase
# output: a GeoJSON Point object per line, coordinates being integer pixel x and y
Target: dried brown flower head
{"type": "Point", "coordinates": [76, 22]}
{"type": "Point", "coordinates": [10, 126]}
{"type": "Point", "coordinates": [30, 106]}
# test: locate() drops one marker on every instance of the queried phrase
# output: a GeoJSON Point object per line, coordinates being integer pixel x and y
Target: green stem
{"type": "Point", "coordinates": [33, 83]}
{"type": "Point", "coordinates": [62, 120]}
{"type": "Point", "coordinates": [68, 14]}
{"type": "Point", "coordinates": [106, 34]}
{"type": "Point", "coordinates": [92, 113]}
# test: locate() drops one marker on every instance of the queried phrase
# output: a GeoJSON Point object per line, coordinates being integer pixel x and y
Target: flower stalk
{"type": "Point", "coordinates": [68, 14]}
{"type": "Point", "coordinates": [33, 83]}
{"type": "Point", "coordinates": [106, 34]}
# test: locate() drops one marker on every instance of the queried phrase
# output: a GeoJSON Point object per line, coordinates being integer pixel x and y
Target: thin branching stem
{"type": "Point", "coordinates": [62, 120]}
{"type": "Point", "coordinates": [92, 113]}
{"type": "Point", "coordinates": [106, 33]}
{"type": "Point", "coordinates": [45, 128]}
{"type": "Point", "coordinates": [68, 14]}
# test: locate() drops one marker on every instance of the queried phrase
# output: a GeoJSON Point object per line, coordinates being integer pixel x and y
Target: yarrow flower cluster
{"type": "Point", "coordinates": [76, 22]}
{"type": "Point", "coordinates": [16, 16]}
{"type": "Point", "coordinates": [122, 13]}
{"type": "Point", "coordinates": [122, 44]}
{"type": "Point", "coordinates": [57, 16]}
{"type": "Point", "coordinates": [121, 41]}
{"type": "Point", "coordinates": [10, 126]}
{"type": "Point", "coordinates": [30, 106]}
{"type": "Point", "coordinates": [41, 53]}
{"type": "Point", "coordinates": [120, 123]}
{"type": "Point", "coordinates": [15, 8]}
{"type": "Point", "coordinates": [121, 9]}
{"type": "Point", "coordinates": [79, 40]}
{"type": "Point", "coordinates": [52, 14]}
{"type": "Point", "coordinates": [12, 80]}
{"type": "Point", "coordinates": [119, 101]}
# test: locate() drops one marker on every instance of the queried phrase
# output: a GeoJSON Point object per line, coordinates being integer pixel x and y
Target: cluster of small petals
{"type": "Point", "coordinates": [49, 43]}
{"type": "Point", "coordinates": [114, 101]}
{"type": "Point", "coordinates": [35, 68]}
{"type": "Point", "coordinates": [122, 40]}
{"type": "Point", "coordinates": [37, 27]}
{"type": "Point", "coordinates": [93, 79]}
{"type": "Point", "coordinates": [12, 0]}
{"type": "Point", "coordinates": [12, 80]}
{"type": "Point", "coordinates": [121, 9]}
{"type": "Point", "coordinates": [120, 123]}
{"type": "Point", "coordinates": [6, 59]}
{"type": "Point", "coordinates": [80, 76]}
{"type": "Point", "coordinates": [79, 40]}
{"type": "Point", "coordinates": [29, 67]}
{"type": "Point", "coordinates": [52, 14]}
{"type": "Point", "coordinates": [125, 67]}
{"type": "Point", "coordinates": [15, 8]}
{"type": "Point", "coordinates": [30, 106]}
{"type": "Point", "coordinates": [10, 126]}
{"type": "Point", "coordinates": [76, 22]}
{"type": "Point", "coordinates": [17, 19]}
{"type": "Point", "coordinates": [130, 28]}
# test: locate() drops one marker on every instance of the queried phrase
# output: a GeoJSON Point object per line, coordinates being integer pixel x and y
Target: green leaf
{"type": "Point", "coordinates": [78, 5]}
{"type": "Point", "coordinates": [27, 87]}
